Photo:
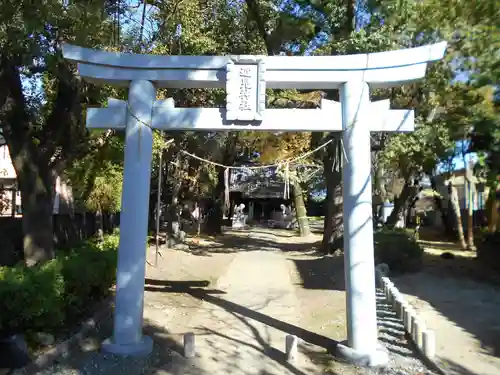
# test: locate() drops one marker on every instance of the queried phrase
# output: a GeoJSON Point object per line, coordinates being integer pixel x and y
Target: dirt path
{"type": "Point", "coordinates": [240, 294]}
{"type": "Point", "coordinates": [241, 326]}
{"type": "Point", "coordinates": [279, 286]}
{"type": "Point", "coordinates": [166, 303]}
{"type": "Point", "coordinates": [465, 314]}
{"type": "Point", "coordinates": [240, 331]}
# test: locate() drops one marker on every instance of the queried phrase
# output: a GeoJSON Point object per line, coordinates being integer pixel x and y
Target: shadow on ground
{"type": "Point", "coordinates": [462, 290]}
{"type": "Point", "coordinates": [453, 368]}
{"type": "Point", "coordinates": [191, 288]}
{"type": "Point", "coordinates": [439, 245]}
{"type": "Point", "coordinates": [255, 240]}
{"type": "Point", "coordinates": [167, 357]}
{"type": "Point", "coordinates": [321, 272]}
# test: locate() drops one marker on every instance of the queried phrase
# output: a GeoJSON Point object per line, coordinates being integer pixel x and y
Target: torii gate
{"type": "Point", "coordinates": [245, 79]}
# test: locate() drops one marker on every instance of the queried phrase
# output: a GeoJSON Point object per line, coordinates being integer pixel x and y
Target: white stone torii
{"type": "Point", "coordinates": [245, 79]}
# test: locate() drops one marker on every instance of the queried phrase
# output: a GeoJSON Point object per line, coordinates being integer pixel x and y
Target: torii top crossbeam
{"type": "Point", "coordinates": [379, 70]}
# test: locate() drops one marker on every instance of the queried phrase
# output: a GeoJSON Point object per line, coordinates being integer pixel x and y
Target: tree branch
{"type": "Point", "coordinates": [254, 10]}
{"type": "Point", "coordinates": [14, 119]}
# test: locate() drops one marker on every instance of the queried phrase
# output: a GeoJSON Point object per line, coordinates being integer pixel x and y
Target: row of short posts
{"type": "Point", "coordinates": [423, 338]}
{"type": "Point", "coordinates": [291, 346]}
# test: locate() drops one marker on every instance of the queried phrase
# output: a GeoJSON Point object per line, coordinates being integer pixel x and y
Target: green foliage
{"type": "Point", "coordinates": [398, 249]}
{"type": "Point", "coordinates": [53, 119]}
{"type": "Point", "coordinates": [419, 151]}
{"type": "Point", "coordinates": [97, 178]}
{"type": "Point", "coordinates": [45, 297]}
{"type": "Point", "coordinates": [107, 191]}
{"type": "Point", "coordinates": [32, 298]}
{"type": "Point", "coordinates": [448, 103]}
{"type": "Point", "coordinates": [485, 137]}
{"type": "Point", "coordinates": [42, 101]}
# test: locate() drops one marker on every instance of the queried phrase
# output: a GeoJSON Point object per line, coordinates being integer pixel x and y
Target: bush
{"type": "Point", "coordinates": [45, 297]}
{"type": "Point", "coordinates": [31, 298]}
{"type": "Point", "coordinates": [488, 250]}
{"type": "Point", "coordinates": [398, 249]}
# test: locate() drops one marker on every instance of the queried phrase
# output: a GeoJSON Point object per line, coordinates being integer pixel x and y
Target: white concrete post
{"type": "Point", "coordinates": [429, 343]}
{"type": "Point", "coordinates": [409, 314]}
{"type": "Point", "coordinates": [127, 335]}
{"type": "Point", "coordinates": [358, 224]}
{"type": "Point", "coordinates": [416, 331]}
{"type": "Point", "coordinates": [189, 345]}
{"type": "Point", "coordinates": [291, 347]}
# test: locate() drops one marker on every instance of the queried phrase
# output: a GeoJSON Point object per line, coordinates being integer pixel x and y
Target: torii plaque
{"type": "Point", "coordinates": [245, 79]}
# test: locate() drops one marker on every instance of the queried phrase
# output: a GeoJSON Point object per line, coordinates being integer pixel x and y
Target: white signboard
{"type": "Point", "coordinates": [245, 88]}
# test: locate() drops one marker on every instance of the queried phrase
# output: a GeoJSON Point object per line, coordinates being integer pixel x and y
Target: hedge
{"type": "Point", "coordinates": [398, 249]}
{"type": "Point", "coordinates": [488, 250]}
{"type": "Point", "coordinates": [53, 295]}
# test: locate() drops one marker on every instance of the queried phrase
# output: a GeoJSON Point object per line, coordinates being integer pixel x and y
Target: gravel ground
{"type": "Point", "coordinates": [403, 359]}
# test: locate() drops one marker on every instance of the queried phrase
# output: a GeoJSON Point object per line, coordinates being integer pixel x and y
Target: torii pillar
{"type": "Point", "coordinates": [245, 79]}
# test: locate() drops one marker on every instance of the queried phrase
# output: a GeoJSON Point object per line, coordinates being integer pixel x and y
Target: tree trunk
{"type": "Point", "coordinates": [36, 150]}
{"type": "Point", "coordinates": [492, 206]}
{"type": "Point", "coordinates": [300, 210]}
{"type": "Point", "coordinates": [176, 187]}
{"type": "Point", "coordinates": [217, 209]}
{"type": "Point", "coordinates": [220, 206]}
{"type": "Point", "coordinates": [438, 200]}
{"type": "Point", "coordinates": [200, 216]}
{"type": "Point", "coordinates": [35, 184]}
{"type": "Point", "coordinates": [36, 204]}
{"type": "Point", "coordinates": [401, 203]}
{"type": "Point", "coordinates": [333, 222]}
{"type": "Point", "coordinates": [452, 190]}
{"type": "Point", "coordinates": [470, 206]}
{"type": "Point", "coordinates": [379, 182]}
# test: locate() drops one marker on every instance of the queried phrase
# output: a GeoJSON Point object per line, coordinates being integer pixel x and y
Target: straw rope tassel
{"type": "Point", "coordinates": [226, 188]}
{"type": "Point", "coordinates": [140, 139]}
{"type": "Point", "coordinates": [286, 194]}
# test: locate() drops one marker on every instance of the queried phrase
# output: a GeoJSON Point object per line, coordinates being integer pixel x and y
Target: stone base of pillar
{"type": "Point", "coordinates": [380, 358]}
{"type": "Point", "coordinates": [140, 349]}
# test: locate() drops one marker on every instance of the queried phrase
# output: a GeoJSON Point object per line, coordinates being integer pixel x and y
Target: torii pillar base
{"type": "Point", "coordinates": [379, 358]}
{"type": "Point", "coordinates": [137, 349]}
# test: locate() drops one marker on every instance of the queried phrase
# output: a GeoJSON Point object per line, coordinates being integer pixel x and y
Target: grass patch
{"type": "Point", "coordinates": [316, 218]}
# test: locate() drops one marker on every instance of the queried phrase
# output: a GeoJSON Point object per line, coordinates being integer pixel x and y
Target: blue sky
{"type": "Point", "coordinates": [136, 16]}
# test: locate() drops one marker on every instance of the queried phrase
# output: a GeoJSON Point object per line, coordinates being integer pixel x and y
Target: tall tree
{"type": "Point", "coordinates": [44, 127]}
